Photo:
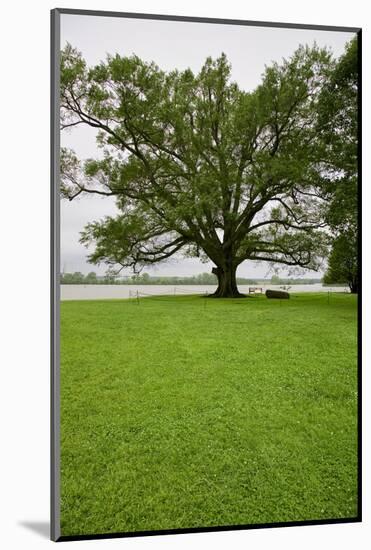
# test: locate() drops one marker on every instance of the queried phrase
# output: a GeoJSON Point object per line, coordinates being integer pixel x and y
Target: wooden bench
{"type": "Point", "coordinates": [254, 289]}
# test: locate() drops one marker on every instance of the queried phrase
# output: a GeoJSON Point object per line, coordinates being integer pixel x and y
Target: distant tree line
{"type": "Point", "coordinates": [78, 278]}
{"type": "Point", "coordinates": [92, 278]}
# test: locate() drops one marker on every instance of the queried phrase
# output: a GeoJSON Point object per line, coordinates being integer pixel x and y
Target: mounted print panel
{"type": "Point", "coordinates": [205, 274]}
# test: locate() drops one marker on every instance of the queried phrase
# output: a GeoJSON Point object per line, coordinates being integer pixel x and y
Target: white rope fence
{"type": "Point", "coordinates": [167, 296]}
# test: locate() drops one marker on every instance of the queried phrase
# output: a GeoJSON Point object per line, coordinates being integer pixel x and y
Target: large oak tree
{"type": "Point", "coordinates": [197, 165]}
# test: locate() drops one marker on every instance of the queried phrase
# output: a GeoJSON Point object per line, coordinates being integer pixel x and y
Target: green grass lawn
{"type": "Point", "coordinates": [189, 412]}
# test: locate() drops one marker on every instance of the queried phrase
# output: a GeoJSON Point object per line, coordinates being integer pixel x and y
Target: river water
{"type": "Point", "coordinates": [105, 292]}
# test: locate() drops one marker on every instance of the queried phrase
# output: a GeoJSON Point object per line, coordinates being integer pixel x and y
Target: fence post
{"type": "Point", "coordinates": [138, 298]}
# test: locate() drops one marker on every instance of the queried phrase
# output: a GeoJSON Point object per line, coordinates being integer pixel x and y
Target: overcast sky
{"type": "Point", "coordinates": [171, 45]}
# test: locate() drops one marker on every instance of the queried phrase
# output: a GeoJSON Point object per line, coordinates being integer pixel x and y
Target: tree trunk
{"type": "Point", "coordinates": [227, 285]}
{"type": "Point", "coordinates": [353, 285]}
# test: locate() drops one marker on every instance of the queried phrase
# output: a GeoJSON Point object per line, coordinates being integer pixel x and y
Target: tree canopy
{"type": "Point", "coordinates": [199, 166]}
{"type": "Point", "coordinates": [343, 265]}
{"type": "Point", "coordinates": [339, 119]}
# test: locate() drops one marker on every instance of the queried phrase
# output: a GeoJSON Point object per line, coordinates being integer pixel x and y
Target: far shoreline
{"type": "Point", "coordinates": [122, 291]}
